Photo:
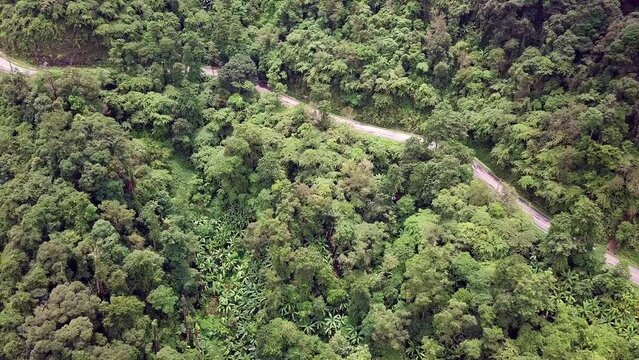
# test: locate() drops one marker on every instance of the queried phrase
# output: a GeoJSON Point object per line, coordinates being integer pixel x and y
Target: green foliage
{"type": "Point", "coordinates": [163, 299]}
{"type": "Point", "coordinates": [237, 70]}
{"type": "Point", "coordinates": [281, 339]}
{"type": "Point", "coordinates": [455, 280]}
{"type": "Point", "coordinates": [548, 86]}
{"type": "Point", "coordinates": [145, 213]}
{"type": "Point", "coordinates": [85, 235]}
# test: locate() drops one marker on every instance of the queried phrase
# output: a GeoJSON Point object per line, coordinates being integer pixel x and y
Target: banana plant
{"type": "Point", "coordinates": [333, 323]}
{"type": "Point", "coordinates": [415, 351]}
{"type": "Point", "coordinates": [309, 327]}
{"type": "Point", "coordinates": [352, 334]}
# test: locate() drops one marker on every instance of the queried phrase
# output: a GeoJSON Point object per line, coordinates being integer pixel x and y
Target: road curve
{"type": "Point", "coordinates": [480, 171]}
{"type": "Point", "coordinates": [9, 67]}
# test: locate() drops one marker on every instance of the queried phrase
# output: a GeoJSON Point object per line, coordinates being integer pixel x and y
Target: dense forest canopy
{"type": "Point", "coordinates": [550, 86]}
{"type": "Point", "coordinates": [149, 212]}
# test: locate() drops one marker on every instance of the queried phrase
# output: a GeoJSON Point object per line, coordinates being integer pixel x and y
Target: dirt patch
{"type": "Point", "coordinates": [69, 49]}
{"type": "Point", "coordinates": [628, 6]}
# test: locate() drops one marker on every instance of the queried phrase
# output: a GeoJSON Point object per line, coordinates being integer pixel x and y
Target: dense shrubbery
{"type": "Point", "coordinates": [145, 213]}
{"type": "Point", "coordinates": [368, 249]}
{"type": "Point", "coordinates": [550, 87]}
{"type": "Point", "coordinates": [354, 247]}
{"type": "Point", "coordinates": [95, 257]}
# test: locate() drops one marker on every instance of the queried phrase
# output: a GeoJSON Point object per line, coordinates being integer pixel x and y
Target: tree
{"type": "Point", "coordinates": [359, 304]}
{"type": "Point", "coordinates": [124, 319]}
{"type": "Point", "coordinates": [572, 236]}
{"type": "Point", "coordinates": [520, 294]}
{"type": "Point", "coordinates": [144, 270]}
{"type": "Point", "coordinates": [169, 353]}
{"type": "Point", "coordinates": [163, 299]}
{"type": "Point", "coordinates": [236, 71]}
{"type": "Point", "coordinates": [445, 124]}
{"type": "Point", "coordinates": [118, 215]}
{"type": "Point", "coordinates": [280, 339]}
{"type": "Point", "coordinates": [455, 324]}
{"type": "Point", "coordinates": [427, 179]}
{"type": "Point", "coordinates": [385, 328]}
{"type": "Point", "coordinates": [64, 322]}
{"type": "Point", "coordinates": [426, 284]}
{"type": "Point", "coordinates": [228, 35]}
{"type": "Point", "coordinates": [177, 249]}
{"type": "Point", "coordinates": [628, 235]}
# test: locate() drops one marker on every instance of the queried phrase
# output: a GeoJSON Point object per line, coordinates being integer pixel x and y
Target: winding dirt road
{"type": "Point", "coordinates": [8, 67]}
{"type": "Point", "coordinates": [480, 171]}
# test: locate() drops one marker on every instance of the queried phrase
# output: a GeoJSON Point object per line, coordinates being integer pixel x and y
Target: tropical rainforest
{"type": "Point", "coordinates": [150, 211]}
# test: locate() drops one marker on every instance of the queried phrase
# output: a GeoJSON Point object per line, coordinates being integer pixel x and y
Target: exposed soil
{"type": "Point", "coordinates": [70, 49]}
{"type": "Point", "coordinates": [628, 6]}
